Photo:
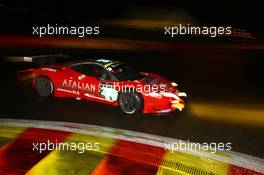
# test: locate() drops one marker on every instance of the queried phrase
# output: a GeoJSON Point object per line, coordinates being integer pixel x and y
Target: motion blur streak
{"type": "Point", "coordinates": [20, 150]}
{"type": "Point", "coordinates": [116, 44]}
{"type": "Point", "coordinates": [182, 163]}
{"type": "Point", "coordinates": [229, 113]}
{"type": "Point", "coordinates": [120, 152]}
{"type": "Point", "coordinates": [144, 23]}
{"type": "Point", "coordinates": [91, 43]}
{"type": "Point", "coordinates": [145, 159]}
{"type": "Point", "coordinates": [18, 59]}
{"type": "Point", "coordinates": [9, 136]}
{"type": "Point", "coordinates": [61, 161]}
{"type": "Point", "coordinates": [158, 24]}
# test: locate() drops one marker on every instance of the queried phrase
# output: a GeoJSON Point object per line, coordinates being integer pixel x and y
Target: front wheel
{"type": "Point", "coordinates": [44, 86]}
{"type": "Point", "coordinates": [130, 102]}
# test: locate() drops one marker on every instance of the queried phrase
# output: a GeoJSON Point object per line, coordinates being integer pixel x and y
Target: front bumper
{"type": "Point", "coordinates": [175, 100]}
{"type": "Point", "coordinates": [178, 104]}
{"type": "Point", "coordinates": [168, 103]}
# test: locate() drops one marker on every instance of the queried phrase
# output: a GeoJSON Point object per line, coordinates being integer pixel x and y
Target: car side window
{"type": "Point", "coordinates": [92, 70]}
{"type": "Point", "coordinates": [86, 69]}
{"type": "Point", "coordinates": [100, 73]}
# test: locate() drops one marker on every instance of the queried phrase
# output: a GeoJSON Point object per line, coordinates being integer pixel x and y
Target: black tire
{"type": "Point", "coordinates": [44, 86]}
{"type": "Point", "coordinates": [130, 102]}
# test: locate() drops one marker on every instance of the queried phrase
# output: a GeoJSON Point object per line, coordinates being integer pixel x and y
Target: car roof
{"type": "Point", "coordinates": [103, 62]}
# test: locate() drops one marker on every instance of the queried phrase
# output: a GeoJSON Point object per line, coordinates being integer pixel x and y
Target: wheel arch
{"type": "Point", "coordinates": [46, 76]}
{"type": "Point", "coordinates": [139, 94]}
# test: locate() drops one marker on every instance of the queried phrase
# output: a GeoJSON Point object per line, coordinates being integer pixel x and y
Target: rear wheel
{"type": "Point", "coordinates": [130, 102]}
{"type": "Point", "coordinates": [44, 86]}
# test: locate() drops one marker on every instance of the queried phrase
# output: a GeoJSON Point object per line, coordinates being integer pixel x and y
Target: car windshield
{"type": "Point", "coordinates": [124, 72]}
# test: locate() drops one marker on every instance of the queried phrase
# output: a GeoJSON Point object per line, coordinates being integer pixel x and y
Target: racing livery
{"type": "Point", "coordinates": [110, 82]}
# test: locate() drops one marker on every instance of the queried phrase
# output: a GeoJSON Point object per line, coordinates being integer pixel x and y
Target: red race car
{"type": "Point", "coordinates": [110, 82]}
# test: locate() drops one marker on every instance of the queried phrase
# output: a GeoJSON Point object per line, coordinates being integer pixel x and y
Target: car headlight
{"type": "Point", "coordinates": [182, 94]}
{"type": "Point", "coordinates": [174, 84]}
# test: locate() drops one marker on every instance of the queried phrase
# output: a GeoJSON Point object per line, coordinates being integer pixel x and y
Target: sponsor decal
{"type": "Point", "coordinates": [107, 91]}
{"type": "Point", "coordinates": [77, 85]}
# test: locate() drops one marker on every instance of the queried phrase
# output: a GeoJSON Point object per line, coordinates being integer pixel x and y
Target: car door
{"type": "Point", "coordinates": [67, 80]}
{"type": "Point", "coordinates": [99, 84]}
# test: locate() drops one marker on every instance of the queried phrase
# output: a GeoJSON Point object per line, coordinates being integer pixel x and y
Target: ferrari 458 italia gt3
{"type": "Point", "coordinates": [110, 82]}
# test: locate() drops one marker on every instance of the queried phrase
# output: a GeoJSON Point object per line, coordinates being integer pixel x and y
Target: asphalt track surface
{"type": "Point", "coordinates": [232, 79]}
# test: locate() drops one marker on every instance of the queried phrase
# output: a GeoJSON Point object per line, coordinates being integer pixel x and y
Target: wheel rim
{"type": "Point", "coordinates": [128, 103]}
{"type": "Point", "coordinates": [44, 87]}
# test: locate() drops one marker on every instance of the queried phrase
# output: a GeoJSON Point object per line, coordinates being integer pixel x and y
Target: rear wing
{"type": "Point", "coordinates": [38, 60]}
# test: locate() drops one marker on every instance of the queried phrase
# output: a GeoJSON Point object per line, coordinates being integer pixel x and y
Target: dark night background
{"type": "Point", "coordinates": [222, 71]}
{"type": "Point", "coordinates": [18, 17]}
